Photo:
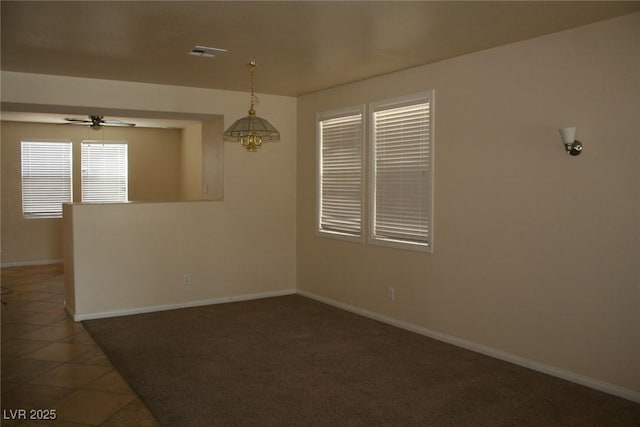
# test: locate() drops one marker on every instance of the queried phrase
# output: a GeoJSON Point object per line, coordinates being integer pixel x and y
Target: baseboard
{"type": "Point", "coordinates": [31, 263]}
{"type": "Point", "coordinates": [139, 310]}
{"type": "Point", "coordinates": [487, 351]}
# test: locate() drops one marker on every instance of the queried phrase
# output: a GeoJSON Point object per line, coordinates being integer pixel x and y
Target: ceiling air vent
{"type": "Point", "coordinates": [207, 52]}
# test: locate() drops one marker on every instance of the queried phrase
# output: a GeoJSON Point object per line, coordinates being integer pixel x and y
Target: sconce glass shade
{"type": "Point", "coordinates": [568, 135]}
{"type": "Point", "coordinates": [572, 146]}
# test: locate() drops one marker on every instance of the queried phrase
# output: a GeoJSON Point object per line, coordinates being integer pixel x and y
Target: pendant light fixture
{"type": "Point", "coordinates": [251, 130]}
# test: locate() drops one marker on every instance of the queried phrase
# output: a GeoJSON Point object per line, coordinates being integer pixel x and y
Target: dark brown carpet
{"type": "Point", "coordinates": [292, 361]}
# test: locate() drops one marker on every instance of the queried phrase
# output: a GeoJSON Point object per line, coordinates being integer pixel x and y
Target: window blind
{"type": "Point", "coordinates": [46, 178]}
{"type": "Point", "coordinates": [340, 179]}
{"type": "Point", "coordinates": [104, 172]}
{"type": "Point", "coordinates": [402, 175]}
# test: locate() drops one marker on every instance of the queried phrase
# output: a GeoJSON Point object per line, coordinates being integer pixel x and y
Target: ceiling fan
{"type": "Point", "coordinates": [97, 122]}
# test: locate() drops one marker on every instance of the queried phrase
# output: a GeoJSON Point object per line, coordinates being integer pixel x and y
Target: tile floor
{"type": "Point", "coordinates": [51, 363]}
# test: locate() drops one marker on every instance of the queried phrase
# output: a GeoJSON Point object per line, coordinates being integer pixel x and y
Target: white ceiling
{"type": "Point", "coordinates": [300, 46]}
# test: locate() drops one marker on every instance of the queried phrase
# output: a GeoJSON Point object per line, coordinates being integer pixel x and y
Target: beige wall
{"type": "Point", "coordinates": [536, 252]}
{"type": "Point", "coordinates": [212, 180]}
{"type": "Point", "coordinates": [191, 162]}
{"type": "Point", "coordinates": [154, 162]}
{"type": "Point", "coordinates": [133, 256]}
{"type": "Point", "coordinates": [202, 161]}
{"type": "Point", "coordinates": [68, 239]}
{"type": "Point", "coordinates": [136, 258]}
{"type": "Point", "coordinates": [154, 174]}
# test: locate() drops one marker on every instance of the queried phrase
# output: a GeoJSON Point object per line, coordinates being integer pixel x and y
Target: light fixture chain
{"type": "Point", "coordinates": [254, 98]}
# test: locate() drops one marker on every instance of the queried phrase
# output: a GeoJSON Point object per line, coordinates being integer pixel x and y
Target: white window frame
{"type": "Point", "coordinates": [325, 116]}
{"type": "Point", "coordinates": [83, 171]}
{"type": "Point", "coordinates": [38, 209]}
{"type": "Point", "coordinates": [373, 238]}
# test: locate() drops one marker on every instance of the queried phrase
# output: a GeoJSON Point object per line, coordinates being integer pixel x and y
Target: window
{"type": "Point", "coordinates": [104, 172]}
{"type": "Point", "coordinates": [46, 178]}
{"type": "Point", "coordinates": [340, 194]}
{"type": "Point", "coordinates": [399, 166]}
{"type": "Point", "coordinates": [402, 172]}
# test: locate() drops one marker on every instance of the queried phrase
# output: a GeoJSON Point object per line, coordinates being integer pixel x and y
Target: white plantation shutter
{"type": "Point", "coordinates": [402, 173]}
{"type": "Point", "coordinates": [46, 178]}
{"type": "Point", "coordinates": [104, 172]}
{"type": "Point", "coordinates": [340, 175]}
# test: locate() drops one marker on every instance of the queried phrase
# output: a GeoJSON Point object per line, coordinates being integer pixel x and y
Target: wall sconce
{"type": "Point", "coordinates": [573, 146]}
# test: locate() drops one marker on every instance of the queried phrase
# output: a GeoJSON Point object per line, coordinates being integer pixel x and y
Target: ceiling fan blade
{"type": "Point", "coordinates": [117, 123]}
{"type": "Point", "coordinates": [77, 121]}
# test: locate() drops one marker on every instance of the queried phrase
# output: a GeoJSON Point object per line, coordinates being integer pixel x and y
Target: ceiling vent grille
{"type": "Point", "coordinates": [206, 52]}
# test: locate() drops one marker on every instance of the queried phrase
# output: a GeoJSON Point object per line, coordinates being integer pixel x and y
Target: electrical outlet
{"type": "Point", "coordinates": [187, 279]}
{"type": "Point", "coordinates": [391, 293]}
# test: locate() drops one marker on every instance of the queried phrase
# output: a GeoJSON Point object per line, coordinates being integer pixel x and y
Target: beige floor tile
{"type": "Point", "coordinates": [17, 347]}
{"type": "Point", "coordinates": [91, 407]}
{"type": "Point", "coordinates": [80, 337]}
{"type": "Point", "coordinates": [14, 330]}
{"type": "Point", "coordinates": [49, 333]}
{"type": "Point", "coordinates": [58, 352]}
{"type": "Point", "coordinates": [93, 357]}
{"type": "Point", "coordinates": [15, 305]}
{"type": "Point", "coordinates": [10, 316]}
{"type": "Point", "coordinates": [56, 298]}
{"type": "Point", "coordinates": [112, 382]}
{"type": "Point", "coordinates": [38, 337]}
{"type": "Point", "coordinates": [27, 296]}
{"type": "Point", "coordinates": [24, 370]}
{"type": "Point", "coordinates": [49, 423]}
{"type": "Point", "coordinates": [42, 307]}
{"type": "Point", "coordinates": [27, 288]}
{"type": "Point", "coordinates": [135, 414]}
{"type": "Point", "coordinates": [6, 386]}
{"type": "Point", "coordinates": [67, 322]}
{"type": "Point", "coordinates": [71, 375]}
{"type": "Point", "coordinates": [44, 319]}
{"type": "Point", "coordinates": [34, 396]}
{"type": "Point", "coordinates": [53, 289]}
